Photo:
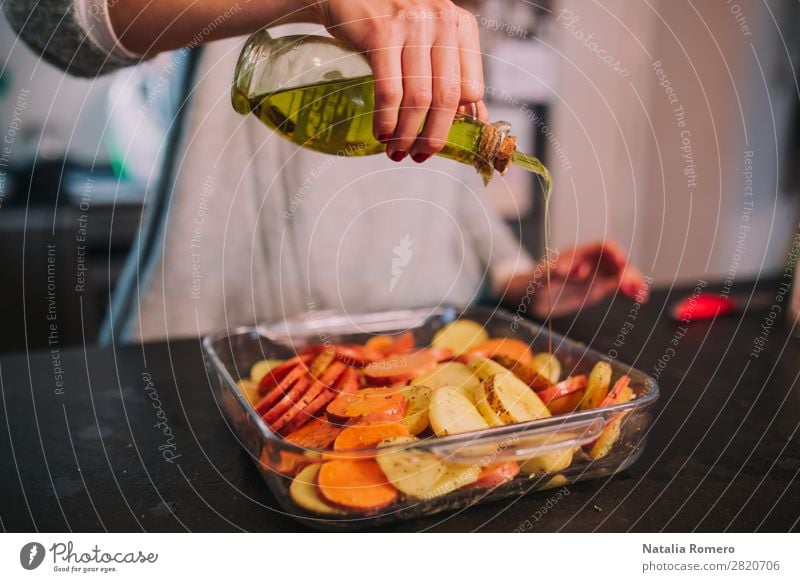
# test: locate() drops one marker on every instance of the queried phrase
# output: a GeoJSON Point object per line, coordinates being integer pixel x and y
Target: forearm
{"type": "Point", "coordinates": [152, 26]}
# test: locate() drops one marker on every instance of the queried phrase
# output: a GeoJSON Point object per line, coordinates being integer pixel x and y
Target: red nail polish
{"type": "Point", "coordinates": [419, 158]}
{"type": "Point", "coordinates": [384, 137]}
{"type": "Point", "coordinates": [398, 156]}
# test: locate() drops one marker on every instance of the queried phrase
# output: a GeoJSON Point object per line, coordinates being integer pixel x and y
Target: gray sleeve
{"type": "Point", "coordinates": [50, 29]}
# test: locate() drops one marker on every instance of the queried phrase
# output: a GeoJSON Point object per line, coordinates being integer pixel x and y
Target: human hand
{"type": "Point", "coordinates": [426, 61]}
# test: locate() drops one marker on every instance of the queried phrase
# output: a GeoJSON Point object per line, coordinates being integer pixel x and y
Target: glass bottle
{"type": "Point", "coordinates": [319, 94]}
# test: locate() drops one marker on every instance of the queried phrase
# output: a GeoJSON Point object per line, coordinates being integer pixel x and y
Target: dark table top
{"type": "Point", "coordinates": [723, 454]}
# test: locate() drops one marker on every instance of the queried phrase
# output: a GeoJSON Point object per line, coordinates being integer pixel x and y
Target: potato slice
{"type": "Point", "coordinates": [451, 374]}
{"type": "Point", "coordinates": [249, 389]}
{"type": "Point", "coordinates": [548, 463]}
{"type": "Point", "coordinates": [485, 367]}
{"type": "Point", "coordinates": [455, 477]}
{"type": "Point", "coordinates": [512, 400]}
{"type": "Point", "coordinates": [413, 472]}
{"type": "Point", "coordinates": [460, 336]}
{"type": "Point", "coordinates": [484, 408]}
{"type": "Point", "coordinates": [597, 386]}
{"type": "Point", "coordinates": [450, 412]}
{"type": "Point", "coordinates": [547, 365]}
{"type": "Point", "coordinates": [304, 492]}
{"type": "Point", "coordinates": [262, 368]}
{"type": "Point", "coordinates": [419, 399]}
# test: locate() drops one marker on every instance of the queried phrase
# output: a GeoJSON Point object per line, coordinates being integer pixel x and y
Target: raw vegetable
{"type": "Point", "coordinates": [369, 401]}
{"type": "Point", "coordinates": [400, 368]}
{"type": "Point", "coordinates": [597, 386]}
{"type": "Point", "coordinates": [358, 485]}
{"type": "Point", "coordinates": [317, 434]}
{"type": "Point", "coordinates": [415, 473]}
{"type": "Point", "coordinates": [451, 412]}
{"type": "Point", "coordinates": [249, 389]}
{"type": "Point", "coordinates": [365, 436]}
{"type": "Point", "coordinates": [495, 475]}
{"type": "Point", "coordinates": [525, 372]}
{"type": "Point", "coordinates": [451, 374]}
{"type": "Point", "coordinates": [565, 396]}
{"type": "Point", "coordinates": [549, 462]}
{"type": "Point", "coordinates": [460, 336]}
{"type": "Point", "coordinates": [262, 368]}
{"type": "Point", "coordinates": [455, 477]}
{"type": "Point", "coordinates": [511, 348]}
{"type": "Point", "coordinates": [621, 392]}
{"type": "Point", "coordinates": [547, 365]}
{"type": "Point", "coordinates": [512, 400]}
{"type": "Point", "coordinates": [303, 490]}
{"type": "Point", "coordinates": [416, 417]}
{"type": "Point", "coordinates": [276, 375]}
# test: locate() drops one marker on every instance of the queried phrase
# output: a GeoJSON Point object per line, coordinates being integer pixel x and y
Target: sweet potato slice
{"type": "Point", "coordinates": [274, 377]}
{"type": "Point", "coordinates": [346, 384]}
{"type": "Point", "coordinates": [292, 395]}
{"type": "Point", "coordinates": [326, 379]}
{"type": "Point", "coordinates": [356, 485]}
{"type": "Point", "coordinates": [365, 436]}
{"type": "Point", "coordinates": [316, 434]}
{"type": "Point", "coordinates": [268, 401]}
{"type": "Point", "coordinates": [400, 368]}
{"type": "Point", "coordinates": [506, 347]}
{"type": "Point", "coordinates": [369, 401]}
{"type": "Point", "coordinates": [495, 475]}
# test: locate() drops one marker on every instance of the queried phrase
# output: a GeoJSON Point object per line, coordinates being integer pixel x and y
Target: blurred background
{"type": "Point", "coordinates": [670, 126]}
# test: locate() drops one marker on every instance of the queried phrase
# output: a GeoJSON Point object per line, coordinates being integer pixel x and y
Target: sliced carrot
{"type": "Point", "coordinates": [366, 401]}
{"type": "Point", "coordinates": [380, 343]}
{"type": "Point", "coordinates": [506, 346]}
{"type": "Point", "coordinates": [283, 386]}
{"type": "Point", "coordinates": [403, 343]}
{"type": "Point", "coordinates": [621, 392]}
{"type": "Point", "coordinates": [358, 485]}
{"type": "Point", "coordinates": [497, 474]}
{"type": "Point", "coordinates": [400, 367]}
{"type": "Point", "coordinates": [292, 395]}
{"type": "Point", "coordinates": [319, 364]}
{"type": "Point", "coordinates": [388, 345]}
{"type": "Point", "coordinates": [365, 436]}
{"type": "Point", "coordinates": [317, 434]}
{"type": "Point", "coordinates": [324, 382]}
{"type": "Point", "coordinates": [272, 378]}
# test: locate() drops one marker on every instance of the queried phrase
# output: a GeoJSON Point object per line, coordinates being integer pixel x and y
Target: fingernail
{"type": "Point", "coordinates": [419, 158]}
{"type": "Point", "coordinates": [398, 156]}
{"type": "Point", "coordinates": [384, 137]}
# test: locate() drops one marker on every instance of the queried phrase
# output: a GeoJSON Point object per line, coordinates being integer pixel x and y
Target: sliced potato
{"type": "Point", "coordinates": [512, 400]}
{"type": "Point", "coordinates": [413, 472]}
{"type": "Point", "coordinates": [555, 481]}
{"type": "Point", "coordinates": [419, 399]}
{"type": "Point", "coordinates": [455, 477]}
{"type": "Point", "coordinates": [249, 389]}
{"type": "Point", "coordinates": [485, 367]}
{"type": "Point", "coordinates": [608, 438]}
{"type": "Point", "coordinates": [548, 463]}
{"type": "Point", "coordinates": [460, 336]}
{"type": "Point", "coordinates": [304, 492]}
{"type": "Point", "coordinates": [484, 408]}
{"type": "Point", "coordinates": [262, 368]}
{"type": "Point", "coordinates": [547, 365]}
{"type": "Point", "coordinates": [450, 412]}
{"type": "Point", "coordinates": [451, 374]}
{"type": "Point", "coordinates": [597, 386]}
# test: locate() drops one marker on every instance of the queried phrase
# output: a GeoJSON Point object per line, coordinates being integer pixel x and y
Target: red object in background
{"type": "Point", "coordinates": [702, 306]}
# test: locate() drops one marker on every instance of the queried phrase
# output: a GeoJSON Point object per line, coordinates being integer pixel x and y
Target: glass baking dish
{"type": "Point", "coordinates": [230, 355]}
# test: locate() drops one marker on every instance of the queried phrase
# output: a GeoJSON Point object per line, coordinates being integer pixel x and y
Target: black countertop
{"type": "Point", "coordinates": [723, 454]}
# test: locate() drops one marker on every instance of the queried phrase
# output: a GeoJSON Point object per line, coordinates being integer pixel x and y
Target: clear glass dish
{"type": "Point", "coordinates": [230, 355]}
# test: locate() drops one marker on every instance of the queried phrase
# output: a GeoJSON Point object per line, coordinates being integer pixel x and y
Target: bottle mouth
{"type": "Point", "coordinates": [256, 47]}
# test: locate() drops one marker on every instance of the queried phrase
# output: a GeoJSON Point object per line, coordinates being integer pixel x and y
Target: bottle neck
{"type": "Point", "coordinates": [495, 148]}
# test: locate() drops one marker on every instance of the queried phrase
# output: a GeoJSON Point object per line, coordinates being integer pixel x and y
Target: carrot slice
{"type": "Point", "coordinates": [319, 364]}
{"type": "Point", "coordinates": [564, 396]}
{"type": "Point", "coordinates": [366, 436]}
{"type": "Point", "coordinates": [346, 384]}
{"type": "Point", "coordinates": [497, 474]}
{"type": "Point", "coordinates": [400, 367]}
{"type": "Point", "coordinates": [274, 377]}
{"type": "Point", "coordinates": [276, 393]}
{"type": "Point", "coordinates": [621, 392]}
{"type": "Point", "coordinates": [317, 434]}
{"type": "Point", "coordinates": [505, 346]}
{"type": "Point", "coordinates": [366, 401]}
{"type": "Point", "coordinates": [380, 343]}
{"type": "Point", "coordinates": [358, 485]}
{"type": "Point", "coordinates": [322, 383]}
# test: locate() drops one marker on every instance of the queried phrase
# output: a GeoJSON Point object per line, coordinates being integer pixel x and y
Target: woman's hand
{"type": "Point", "coordinates": [426, 60]}
{"type": "Point", "coordinates": [581, 276]}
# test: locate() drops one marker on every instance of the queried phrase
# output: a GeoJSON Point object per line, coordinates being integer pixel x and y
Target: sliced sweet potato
{"type": "Point", "coordinates": [292, 395]}
{"type": "Point", "coordinates": [400, 368]}
{"type": "Point", "coordinates": [274, 377]}
{"type": "Point", "coordinates": [316, 434]}
{"type": "Point", "coordinates": [368, 435]}
{"type": "Point", "coordinates": [356, 485]}
{"type": "Point", "coordinates": [268, 401]}
{"type": "Point", "coordinates": [368, 401]}
{"type": "Point", "coordinates": [497, 474]}
{"type": "Point", "coordinates": [346, 384]}
{"type": "Point", "coordinates": [565, 396]}
{"type": "Point", "coordinates": [322, 383]}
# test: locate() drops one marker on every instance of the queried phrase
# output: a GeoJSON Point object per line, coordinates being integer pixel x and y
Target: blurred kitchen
{"type": "Point", "coordinates": [669, 126]}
